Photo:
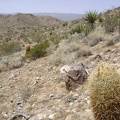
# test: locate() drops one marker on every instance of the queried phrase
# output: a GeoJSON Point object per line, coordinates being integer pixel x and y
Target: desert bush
{"type": "Point", "coordinates": [81, 28]}
{"type": "Point", "coordinates": [91, 17]}
{"type": "Point", "coordinates": [104, 90]}
{"type": "Point", "coordinates": [65, 24]}
{"type": "Point", "coordinates": [95, 42]}
{"type": "Point", "coordinates": [66, 54]}
{"type": "Point", "coordinates": [111, 22]}
{"type": "Point", "coordinates": [78, 29]}
{"type": "Point", "coordinates": [55, 39]}
{"type": "Point", "coordinates": [37, 51]}
{"type": "Point", "coordinates": [25, 93]}
{"type": "Point", "coordinates": [110, 43]}
{"type": "Point", "coordinates": [113, 41]}
{"type": "Point", "coordinates": [86, 30]}
{"type": "Point", "coordinates": [97, 35]}
{"type": "Point", "coordinates": [8, 48]}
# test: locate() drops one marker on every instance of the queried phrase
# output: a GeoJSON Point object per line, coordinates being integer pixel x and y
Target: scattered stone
{"type": "Point", "coordinates": [20, 115]}
{"type": "Point", "coordinates": [52, 116]}
{"type": "Point", "coordinates": [37, 78]}
{"type": "Point", "coordinates": [4, 115]}
{"type": "Point", "coordinates": [98, 56]}
{"type": "Point", "coordinates": [11, 77]}
{"type": "Point", "coordinates": [51, 96]}
{"type": "Point", "coordinates": [39, 117]}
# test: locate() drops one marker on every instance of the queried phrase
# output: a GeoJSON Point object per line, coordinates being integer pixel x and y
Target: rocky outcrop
{"type": "Point", "coordinates": [73, 75]}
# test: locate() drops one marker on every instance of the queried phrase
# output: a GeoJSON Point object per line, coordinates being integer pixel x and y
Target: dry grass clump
{"type": "Point", "coordinates": [113, 41]}
{"type": "Point", "coordinates": [96, 36]}
{"type": "Point", "coordinates": [104, 87]}
{"type": "Point", "coordinates": [69, 52]}
{"type": "Point", "coordinates": [25, 92]}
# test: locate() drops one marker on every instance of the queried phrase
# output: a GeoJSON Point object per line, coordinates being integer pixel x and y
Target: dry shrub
{"type": "Point", "coordinates": [25, 93]}
{"type": "Point", "coordinates": [113, 41]}
{"type": "Point", "coordinates": [9, 48]}
{"type": "Point", "coordinates": [69, 52]}
{"type": "Point", "coordinates": [96, 36]}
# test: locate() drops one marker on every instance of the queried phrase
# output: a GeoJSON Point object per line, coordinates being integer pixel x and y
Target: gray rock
{"type": "Point", "coordinates": [38, 117]}
{"type": "Point", "coordinates": [73, 75]}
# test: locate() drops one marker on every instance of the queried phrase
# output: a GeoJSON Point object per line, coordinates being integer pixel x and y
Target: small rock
{"type": "Point", "coordinates": [76, 96]}
{"type": "Point", "coordinates": [39, 117]}
{"type": "Point", "coordinates": [71, 103]}
{"type": "Point", "coordinates": [98, 56]}
{"type": "Point", "coordinates": [52, 116]}
{"type": "Point", "coordinates": [4, 115]}
{"type": "Point", "coordinates": [51, 96]}
{"type": "Point", "coordinates": [11, 77]}
{"type": "Point", "coordinates": [37, 78]}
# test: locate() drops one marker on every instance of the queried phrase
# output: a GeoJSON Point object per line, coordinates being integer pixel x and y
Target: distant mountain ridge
{"type": "Point", "coordinates": [20, 20]}
{"type": "Point", "coordinates": [62, 16]}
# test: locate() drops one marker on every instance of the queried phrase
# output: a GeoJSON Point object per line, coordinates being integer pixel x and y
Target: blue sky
{"type": "Point", "coordinates": [56, 6]}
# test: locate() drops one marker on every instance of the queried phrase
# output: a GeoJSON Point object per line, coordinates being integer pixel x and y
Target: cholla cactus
{"type": "Point", "coordinates": [104, 88]}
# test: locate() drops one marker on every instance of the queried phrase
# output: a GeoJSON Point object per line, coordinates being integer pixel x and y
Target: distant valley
{"type": "Point", "coordinates": [62, 16]}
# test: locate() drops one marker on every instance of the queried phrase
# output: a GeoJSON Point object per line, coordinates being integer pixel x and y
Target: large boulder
{"type": "Point", "coordinates": [74, 75]}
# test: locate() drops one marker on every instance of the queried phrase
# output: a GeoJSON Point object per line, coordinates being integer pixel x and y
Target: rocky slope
{"type": "Point", "coordinates": [35, 90]}
{"type": "Point", "coordinates": [38, 91]}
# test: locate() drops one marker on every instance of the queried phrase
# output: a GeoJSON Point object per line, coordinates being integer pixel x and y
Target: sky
{"type": "Point", "coordinates": [56, 6]}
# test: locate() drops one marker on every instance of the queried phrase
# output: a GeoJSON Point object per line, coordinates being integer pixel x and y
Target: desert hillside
{"type": "Point", "coordinates": [31, 85]}
{"type": "Point", "coordinates": [26, 20]}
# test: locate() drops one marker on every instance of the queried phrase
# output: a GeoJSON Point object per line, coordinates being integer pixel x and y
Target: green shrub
{"type": "Point", "coordinates": [37, 51]}
{"type": "Point", "coordinates": [91, 17]}
{"type": "Point", "coordinates": [104, 88]}
{"type": "Point", "coordinates": [86, 30]}
{"type": "Point", "coordinates": [111, 23]}
{"type": "Point", "coordinates": [55, 39]}
{"type": "Point", "coordinates": [8, 48]}
{"type": "Point", "coordinates": [78, 29]}
{"type": "Point", "coordinates": [81, 28]}
{"type": "Point", "coordinates": [65, 24]}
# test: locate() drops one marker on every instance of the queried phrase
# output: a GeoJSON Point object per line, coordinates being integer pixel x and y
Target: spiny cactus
{"type": "Point", "coordinates": [104, 88]}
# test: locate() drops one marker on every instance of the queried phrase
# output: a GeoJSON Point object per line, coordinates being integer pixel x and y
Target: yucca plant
{"type": "Point", "coordinates": [86, 30]}
{"type": "Point", "coordinates": [91, 17]}
{"type": "Point", "coordinates": [78, 29]}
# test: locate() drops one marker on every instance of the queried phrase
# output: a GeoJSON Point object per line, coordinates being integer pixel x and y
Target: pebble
{"type": "Point", "coordinates": [52, 116]}
{"type": "Point", "coordinates": [39, 117]}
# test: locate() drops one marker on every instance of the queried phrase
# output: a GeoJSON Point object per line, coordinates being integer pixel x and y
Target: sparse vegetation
{"type": "Point", "coordinates": [111, 22]}
{"type": "Point", "coordinates": [37, 51]}
{"type": "Point", "coordinates": [34, 84]}
{"type": "Point", "coordinates": [8, 48]}
{"type": "Point", "coordinates": [81, 28]}
{"type": "Point", "coordinates": [113, 41]}
{"type": "Point", "coordinates": [25, 93]}
{"type": "Point", "coordinates": [66, 54]}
